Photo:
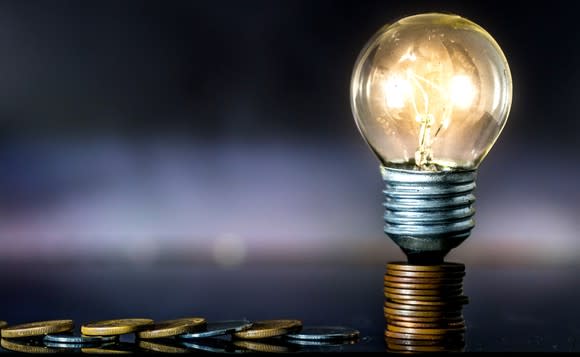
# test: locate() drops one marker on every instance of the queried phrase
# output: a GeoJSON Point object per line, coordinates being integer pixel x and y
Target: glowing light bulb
{"type": "Point", "coordinates": [430, 94]}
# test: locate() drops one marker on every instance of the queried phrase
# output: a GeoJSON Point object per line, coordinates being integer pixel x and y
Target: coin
{"type": "Point", "coordinates": [64, 338]}
{"type": "Point", "coordinates": [425, 331]}
{"type": "Point", "coordinates": [110, 348]}
{"type": "Point", "coordinates": [424, 319]}
{"type": "Point", "coordinates": [424, 292]}
{"type": "Point", "coordinates": [417, 280]}
{"type": "Point", "coordinates": [412, 300]}
{"type": "Point", "coordinates": [3, 324]}
{"type": "Point", "coordinates": [215, 345]}
{"type": "Point", "coordinates": [419, 286]}
{"type": "Point", "coordinates": [170, 328]}
{"type": "Point", "coordinates": [445, 267]}
{"type": "Point", "coordinates": [427, 274]}
{"type": "Point", "coordinates": [218, 328]}
{"type": "Point", "coordinates": [26, 346]}
{"type": "Point", "coordinates": [440, 324]}
{"type": "Point", "coordinates": [67, 346]}
{"type": "Point", "coordinates": [157, 346]}
{"type": "Point", "coordinates": [406, 298]}
{"type": "Point", "coordinates": [400, 306]}
{"type": "Point", "coordinates": [114, 327]}
{"type": "Point", "coordinates": [412, 313]}
{"type": "Point", "coordinates": [38, 328]}
{"type": "Point", "coordinates": [270, 328]}
{"type": "Point", "coordinates": [410, 336]}
{"type": "Point", "coordinates": [325, 333]}
{"type": "Point", "coordinates": [455, 340]}
{"type": "Point", "coordinates": [262, 346]}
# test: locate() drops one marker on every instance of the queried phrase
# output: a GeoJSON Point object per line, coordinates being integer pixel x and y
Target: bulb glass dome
{"type": "Point", "coordinates": [431, 92]}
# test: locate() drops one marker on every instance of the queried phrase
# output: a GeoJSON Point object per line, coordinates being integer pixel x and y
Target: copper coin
{"type": "Point", "coordinates": [411, 313]}
{"type": "Point", "coordinates": [425, 331]}
{"type": "Point", "coordinates": [447, 267]}
{"type": "Point", "coordinates": [448, 342]}
{"type": "Point", "coordinates": [410, 336]}
{"type": "Point", "coordinates": [427, 274]}
{"type": "Point", "coordinates": [402, 306]}
{"type": "Point", "coordinates": [432, 286]}
{"type": "Point", "coordinates": [431, 292]}
{"type": "Point", "coordinates": [417, 280]}
{"type": "Point", "coordinates": [455, 325]}
{"type": "Point", "coordinates": [411, 300]}
{"type": "Point", "coordinates": [424, 319]}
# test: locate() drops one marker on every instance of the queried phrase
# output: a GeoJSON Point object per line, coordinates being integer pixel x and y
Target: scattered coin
{"type": "Point", "coordinates": [69, 338]}
{"type": "Point", "coordinates": [26, 346]}
{"type": "Point", "coordinates": [168, 346]}
{"type": "Point", "coordinates": [114, 327]}
{"type": "Point", "coordinates": [325, 333]}
{"type": "Point", "coordinates": [215, 345]}
{"type": "Point", "coordinates": [219, 328]}
{"type": "Point", "coordinates": [270, 328]}
{"type": "Point", "coordinates": [262, 346]}
{"type": "Point", "coordinates": [38, 328]}
{"type": "Point", "coordinates": [171, 328]}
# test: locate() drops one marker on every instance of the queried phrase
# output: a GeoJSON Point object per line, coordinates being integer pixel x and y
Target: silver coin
{"type": "Point", "coordinates": [66, 345]}
{"type": "Point", "coordinates": [63, 338]}
{"type": "Point", "coordinates": [324, 333]}
{"type": "Point", "coordinates": [219, 328]}
{"type": "Point", "coordinates": [215, 345]}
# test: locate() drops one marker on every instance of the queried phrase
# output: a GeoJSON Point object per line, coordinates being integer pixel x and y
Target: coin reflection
{"type": "Point", "coordinates": [424, 307]}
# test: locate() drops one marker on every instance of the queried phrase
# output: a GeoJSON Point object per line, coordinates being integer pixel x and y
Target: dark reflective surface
{"type": "Point", "coordinates": [510, 308]}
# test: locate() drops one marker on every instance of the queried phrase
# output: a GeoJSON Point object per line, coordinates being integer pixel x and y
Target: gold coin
{"type": "Point", "coordinates": [447, 267]}
{"type": "Point", "coordinates": [114, 327]}
{"type": "Point", "coordinates": [401, 306]}
{"type": "Point", "coordinates": [427, 274]}
{"type": "Point", "coordinates": [417, 280]}
{"type": "Point", "coordinates": [170, 328]}
{"type": "Point", "coordinates": [437, 298]}
{"type": "Point", "coordinates": [270, 328]}
{"type": "Point", "coordinates": [261, 347]}
{"type": "Point", "coordinates": [454, 325]}
{"type": "Point", "coordinates": [38, 328]}
{"type": "Point", "coordinates": [431, 292]}
{"type": "Point", "coordinates": [412, 300]}
{"type": "Point", "coordinates": [455, 286]}
{"type": "Point", "coordinates": [161, 347]}
{"type": "Point", "coordinates": [425, 331]}
{"type": "Point", "coordinates": [26, 347]}
{"type": "Point", "coordinates": [410, 336]}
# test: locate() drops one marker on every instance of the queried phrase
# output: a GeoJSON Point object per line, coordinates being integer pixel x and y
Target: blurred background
{"type": "Point", "coordinates": [221, 131]}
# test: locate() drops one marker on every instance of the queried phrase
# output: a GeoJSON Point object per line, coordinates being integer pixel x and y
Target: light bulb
{"type": "Point", "coordinates": [430, 94]}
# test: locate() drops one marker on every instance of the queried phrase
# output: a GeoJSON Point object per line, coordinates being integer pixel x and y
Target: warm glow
{"type": "Point", "coordinates": [461, 91]}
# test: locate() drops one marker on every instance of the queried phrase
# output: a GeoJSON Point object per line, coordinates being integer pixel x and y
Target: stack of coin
{"type": "Point", "coordinates": [423, 307]}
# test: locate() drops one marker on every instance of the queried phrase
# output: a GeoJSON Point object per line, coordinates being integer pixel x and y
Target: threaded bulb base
{"type": "Point", "coordinates": [428, 213]}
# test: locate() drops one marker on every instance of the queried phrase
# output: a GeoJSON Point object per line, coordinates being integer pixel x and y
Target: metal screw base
{"type": "Point", "coordinates": [428, 213]}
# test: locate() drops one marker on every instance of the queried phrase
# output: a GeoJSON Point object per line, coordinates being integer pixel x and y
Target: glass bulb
{"type": "Point", "coordinates": [431, 92]}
